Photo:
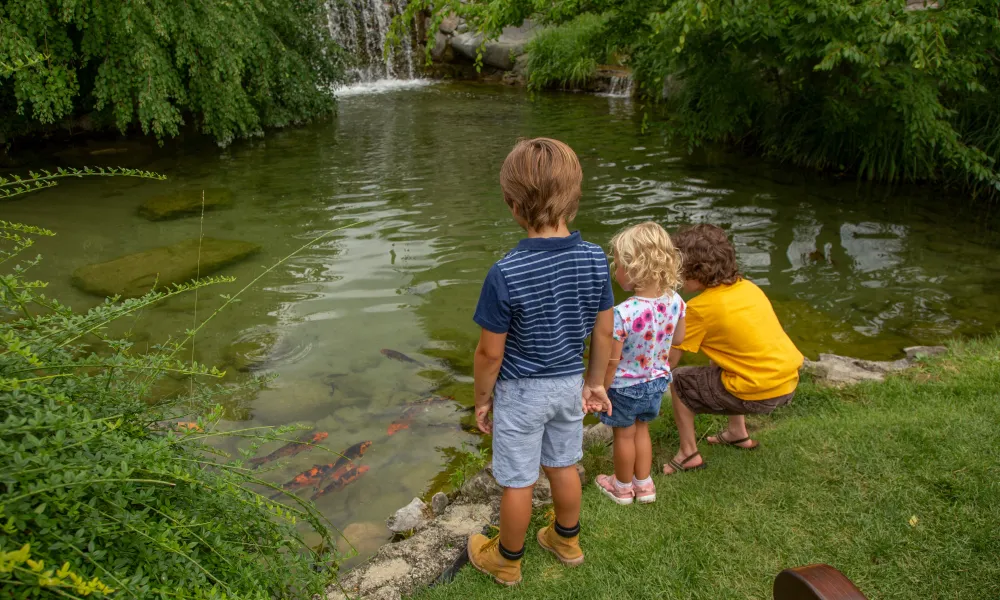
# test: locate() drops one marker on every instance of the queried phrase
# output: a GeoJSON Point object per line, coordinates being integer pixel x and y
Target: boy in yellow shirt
{"type": "Point", "coordinates": [755, 366]}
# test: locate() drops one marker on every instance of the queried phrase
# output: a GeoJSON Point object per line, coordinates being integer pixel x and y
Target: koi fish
{"type": "Point", "coordinates": [396, 355]}
{"type": "Point", "coordinates": [182, 425]}
{"type": "Point", "coordinates": [314, 476]}
{"type": "Point", "coordinates": [430, 400]}
{"type": "Point", "coordinates": [404, 421]}
{"type": "Point", "coordinates": [291, 448]}
{"type": "Point", "coordinates": [349, 475]}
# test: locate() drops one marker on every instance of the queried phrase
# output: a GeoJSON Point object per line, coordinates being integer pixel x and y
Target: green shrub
{"type": "Point", "coordinates": [230, 68]}
{"type": "Point", "coordinates": [834, 85]}
{"type": "Point", "coordinates": [100, 491]}
{"type": "Point", "coordinates": [861, 86]}
{"type": "Point", "coordinates": [566, 54]}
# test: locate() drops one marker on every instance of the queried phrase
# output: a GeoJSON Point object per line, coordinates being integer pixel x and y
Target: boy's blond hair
{"type": "Point", "coordinates": [648, 257]}
{"type": "Point", "coordinates": [541, 181]}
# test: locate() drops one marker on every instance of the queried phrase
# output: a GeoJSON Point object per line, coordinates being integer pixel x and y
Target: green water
{"type": "Point", "coordinates": [859, 271]}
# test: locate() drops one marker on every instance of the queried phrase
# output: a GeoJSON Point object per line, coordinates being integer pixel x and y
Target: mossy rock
{"type": "Point", "coordinates": [133, 275]}
{"type": "Point", "coordinates": [185, 203]}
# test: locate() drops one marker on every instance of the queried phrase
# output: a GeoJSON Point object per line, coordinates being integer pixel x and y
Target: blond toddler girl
{"type": "Point", "coordinates": [647, 264]}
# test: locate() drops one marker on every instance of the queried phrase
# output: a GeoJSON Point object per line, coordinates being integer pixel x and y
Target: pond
{"type": "Point", "coordinates": [856, 270]}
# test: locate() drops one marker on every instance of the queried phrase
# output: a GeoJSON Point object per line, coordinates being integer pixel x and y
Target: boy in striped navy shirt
{"type": "Point", "coordinates": [538, 305]}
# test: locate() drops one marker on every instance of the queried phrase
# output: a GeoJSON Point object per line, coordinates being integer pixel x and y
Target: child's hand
{"type": "Point", "coordinates": [483, 420]}
{"type": "Point", "coordinates": [595, 399]}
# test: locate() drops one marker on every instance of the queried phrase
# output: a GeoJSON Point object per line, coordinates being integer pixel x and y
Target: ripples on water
{"type": "Point", "coordinates": [849, 270]}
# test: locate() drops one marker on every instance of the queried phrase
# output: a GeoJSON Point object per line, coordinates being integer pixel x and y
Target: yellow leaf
{"type": "Point", "coordinates": [914, 520]}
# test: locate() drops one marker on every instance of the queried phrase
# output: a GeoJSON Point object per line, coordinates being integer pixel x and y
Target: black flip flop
{"type": "Point", "coordinates": [678, 467]}
{"type": "Point", "coordinates": [721, 441]}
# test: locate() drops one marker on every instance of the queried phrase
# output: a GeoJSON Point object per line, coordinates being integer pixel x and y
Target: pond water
{"type": "Point", "coordinates": [862, 271]}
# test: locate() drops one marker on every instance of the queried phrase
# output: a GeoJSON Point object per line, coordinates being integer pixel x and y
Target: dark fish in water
{"type": "Point", "coordinates": [404, 421]}
{"type": "Point", "coordinates": [433, 400]}
{"type": "Point", "coordinates": [314, 477]}
{"type": "Point", "coordinates": [349, 475]}
{"type": "Point", "coordinates": [396, 355]}
{"type": "Point", "coordinates": [310, 478]}
{"type": "Point", "coordinates": [291, 448]}
{"type": "Point", "coordinates": [356, 451]}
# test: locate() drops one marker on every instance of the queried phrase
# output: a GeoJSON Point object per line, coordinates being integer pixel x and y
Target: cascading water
{"type": "Point", "coordinates": [620, 87]}
{"type": "Point", "coordinates": [361, 27]}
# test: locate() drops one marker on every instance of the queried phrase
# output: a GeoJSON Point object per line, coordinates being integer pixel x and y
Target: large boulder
{"type": "Point", "coordinates": [185, 203]}
{"type": "Point", "coordinates": [501, 52]}
{"type": "Point", "coordinates": [133, 275]}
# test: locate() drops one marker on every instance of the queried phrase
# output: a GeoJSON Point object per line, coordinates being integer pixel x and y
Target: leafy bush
{"type": "Point", "coordinates": [233, 68]}
{"type": "Point", "coordinates": [567, 54]}
{"type": "Point", "coordinates": [100, 490]}
{"type": "Point", "coordinates": [861, 86]}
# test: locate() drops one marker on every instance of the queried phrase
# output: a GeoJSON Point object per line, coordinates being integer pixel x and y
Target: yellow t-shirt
{"type": "Point", "coordinates": [735, 326]}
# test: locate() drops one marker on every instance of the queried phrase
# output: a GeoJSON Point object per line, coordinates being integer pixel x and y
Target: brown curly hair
{"type": "Point", "coordinates": [708, 256]}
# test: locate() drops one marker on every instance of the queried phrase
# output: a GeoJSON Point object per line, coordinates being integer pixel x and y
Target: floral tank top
{"type": "Point", "coordinates": [646, 328]}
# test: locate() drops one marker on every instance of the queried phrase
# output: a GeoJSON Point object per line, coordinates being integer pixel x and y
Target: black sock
{"type": "Point", "coordinates": [511, 555]}
{"type": "Point", "coordinates": [568, 532]}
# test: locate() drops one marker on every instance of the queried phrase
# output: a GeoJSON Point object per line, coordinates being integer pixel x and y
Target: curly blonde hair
{"type": "Point", "coordinates": [648, 256]}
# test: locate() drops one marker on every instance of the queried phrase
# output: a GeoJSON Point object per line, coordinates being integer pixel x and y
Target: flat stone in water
{"type": "Point", "coordinates": [185, 203]}
{"type": "Point", "coordinates": [133, 275]}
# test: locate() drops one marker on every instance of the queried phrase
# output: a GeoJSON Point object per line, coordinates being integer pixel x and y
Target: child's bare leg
{"type": "Point", "coordinates": [515, 516]}
{"type": "Point", "coordinates": [566, 493]}
{"type": "Point", "coordinates": [737, 427]}
{"type": "Point", "coordinates": [737, 430]}
{"type": "Point", "coordinates": [625, 453]}
{"type": "Point", "coordinates": [684, 419]}
{"type": "Point", "coordinates": [643, 451]}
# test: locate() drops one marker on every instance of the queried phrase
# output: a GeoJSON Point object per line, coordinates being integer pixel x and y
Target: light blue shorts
{"type": "Point", "coordinates": [536, 421]}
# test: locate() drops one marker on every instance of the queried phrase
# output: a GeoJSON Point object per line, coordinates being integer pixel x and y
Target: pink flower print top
{"type": "Point", "coordinates": [646, 328]}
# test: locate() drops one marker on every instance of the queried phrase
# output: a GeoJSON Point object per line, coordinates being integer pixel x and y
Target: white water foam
{"type": "Point", "coordinates": [380, 86]}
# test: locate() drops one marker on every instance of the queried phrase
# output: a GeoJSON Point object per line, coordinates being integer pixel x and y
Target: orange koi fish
{"type": "Point", "coordinates": [185, 425]}
{"type": "Point", "coordinates": [291, 448]}
{"type": "Point", "coordinates": [404, 421]}
{"type": "Point", "coordinates": [314, 476]}
{"type": "Point", "coordinates": [349, 476]}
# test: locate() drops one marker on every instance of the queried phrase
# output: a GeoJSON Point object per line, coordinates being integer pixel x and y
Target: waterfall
{"type": "Point", "coordinates": [361, 28]}
{"type": "Point", "coordinates": [620, 87]}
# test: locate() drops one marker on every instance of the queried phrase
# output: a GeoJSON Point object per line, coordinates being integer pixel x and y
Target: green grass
{"type": "Point", "coordinates": [838, 479]}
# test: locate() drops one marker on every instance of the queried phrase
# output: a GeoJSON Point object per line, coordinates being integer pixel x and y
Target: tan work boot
{"type": "Point", "coordinates": [567, 550]}
{"type": "Point", "coordinates": [484, 554]}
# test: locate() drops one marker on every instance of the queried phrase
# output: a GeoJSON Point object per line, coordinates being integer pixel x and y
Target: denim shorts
{"type": "Point", "coordinates": [640, 402]}
{"type": "Point", "coordinates": [537, 421]}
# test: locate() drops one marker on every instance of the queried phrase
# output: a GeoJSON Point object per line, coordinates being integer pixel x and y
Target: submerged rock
{"type": "Point", "coordinates": [261, 348]}
{"type": "Point", "coordinates": [411, 517]}
{"type": "Point", "coordinates": [185, 203]}
{"type": "Point", "coordinates": [133, 275]}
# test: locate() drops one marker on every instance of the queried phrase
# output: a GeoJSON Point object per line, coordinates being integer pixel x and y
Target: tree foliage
{"type": "Point", "coordinates": [102, 490]}
{"type": "Point", "coordinates": [865, 86]}
{"type": "Point", "coordinates": [234, 68]}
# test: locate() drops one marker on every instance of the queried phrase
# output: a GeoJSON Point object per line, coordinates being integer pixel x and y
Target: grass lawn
{"type": "Point", "coordinates": [895, 484]}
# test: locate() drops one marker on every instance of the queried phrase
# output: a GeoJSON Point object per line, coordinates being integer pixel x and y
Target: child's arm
{"type": "Point", "coordinates": [595, 397]}
{"type": "Point", "coordinates": [675, 352]}
{"type": "Point", "coordinates": [616, 357]}
{"type": "Point", "coordinates": [486, 367]}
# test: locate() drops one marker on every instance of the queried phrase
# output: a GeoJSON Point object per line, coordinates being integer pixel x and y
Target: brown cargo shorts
{"type": "Point", "coordinates": [701, 390]}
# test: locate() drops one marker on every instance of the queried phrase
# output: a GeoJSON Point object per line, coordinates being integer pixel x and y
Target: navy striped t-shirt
{"type": "Point", "coordinates": [545, 295]}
